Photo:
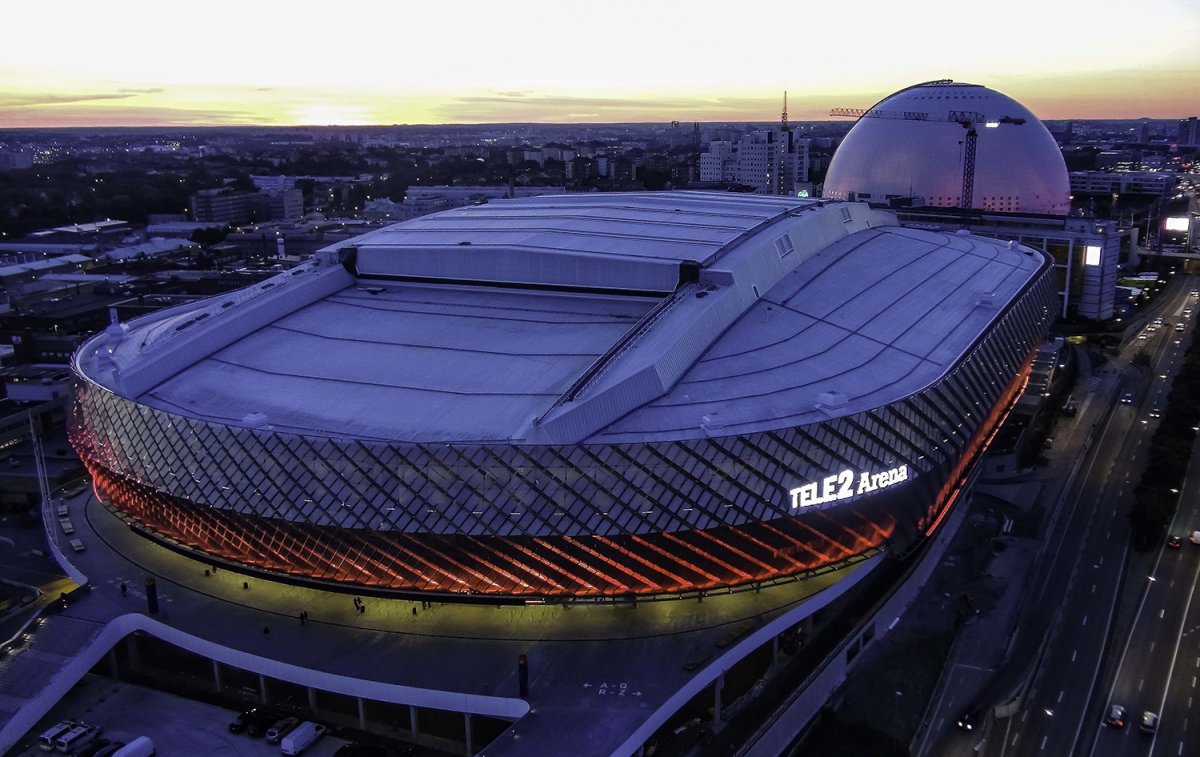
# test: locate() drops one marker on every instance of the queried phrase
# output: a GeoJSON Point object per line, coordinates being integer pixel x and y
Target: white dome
{"type": "Point", "coordinates": [911, 145]}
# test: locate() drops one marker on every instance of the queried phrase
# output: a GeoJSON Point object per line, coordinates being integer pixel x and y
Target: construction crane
{"type": "Point", "coordinates": [968, 119]}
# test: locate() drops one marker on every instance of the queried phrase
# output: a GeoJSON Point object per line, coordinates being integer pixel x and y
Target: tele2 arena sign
{"type": "Point", "coordinates": [841, 486]}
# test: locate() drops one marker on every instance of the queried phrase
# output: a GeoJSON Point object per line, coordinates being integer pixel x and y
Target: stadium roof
{"type": "Point", "coordinates": [594, 318]}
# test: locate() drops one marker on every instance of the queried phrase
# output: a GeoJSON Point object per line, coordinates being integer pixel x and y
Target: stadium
{"type": "Point", "coordinates": [938, 141]}
{"type": "Point", "coordinates": [640, 395]}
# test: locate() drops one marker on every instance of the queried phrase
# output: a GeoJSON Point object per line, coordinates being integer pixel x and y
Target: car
{"type": "Point", "coordinates": [1115, 717]}
{"type": "Point", "coordinates": [1127, 398]}
{"type": "Point", "coordinates": [261, 722]}
{"type": "Point", "coordinates": [1180, 327]}
{"type": "Point", "coordinates": [281, 728]}
{"type": "Point", "coordinates": [969, 720]}
{"type": "Point", "coordinates": [1187, 313]}
{"type": "Point", "coordinates": [1174, 542]}
{"type": "Point", "coordinates": [1194, 538]}
{"type": "Point", "coordinates": [1149, 722]}
{"type": "Point", "coordinates": [1155, 412]}
{"type": "Point", "coordinates": [254, 721]}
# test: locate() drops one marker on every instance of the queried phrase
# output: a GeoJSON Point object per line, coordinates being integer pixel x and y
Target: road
{"type": "Point", "coordinates": [1079, 580]}
{"type": "Point", "coordinates": [1158, 667]}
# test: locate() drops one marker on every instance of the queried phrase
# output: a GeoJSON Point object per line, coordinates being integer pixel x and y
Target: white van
{"type": "Point", "coordinates": [142, 746]}
{"type": "Point", "coordinates": [46, 740]}
{"type": "Point", "coordinates": [81, 734]}
{"type": "Point", "coordinates": [301, 737]}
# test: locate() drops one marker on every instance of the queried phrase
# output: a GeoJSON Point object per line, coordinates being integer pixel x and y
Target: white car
{"type": "Point", "coordinates": [1149, 722]}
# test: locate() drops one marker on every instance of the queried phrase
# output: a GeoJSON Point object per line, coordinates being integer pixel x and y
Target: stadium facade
{"type": "Point", "coordinates": [572, 396]}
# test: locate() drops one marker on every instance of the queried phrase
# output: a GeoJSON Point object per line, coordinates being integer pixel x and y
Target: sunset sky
{"type": "Point", "coordinates": [130, 62]}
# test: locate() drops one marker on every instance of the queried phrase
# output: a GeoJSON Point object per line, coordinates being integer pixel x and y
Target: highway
{"type": "Point", "coordinates": [1082, 596]}
{"type": "Point", "coordinates": [1159, 664]}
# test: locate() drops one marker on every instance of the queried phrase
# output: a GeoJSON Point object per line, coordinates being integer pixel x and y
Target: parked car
{"type": "Point", "coordinates": [281, 728]}
{"type": "Point", "coordinates": [254, 721]}
{"type": "Point", "coordinates": [1174, 542]}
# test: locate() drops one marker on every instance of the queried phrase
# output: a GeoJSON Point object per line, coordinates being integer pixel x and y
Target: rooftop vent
{"type": "Point", "coordinates": [831, 401]}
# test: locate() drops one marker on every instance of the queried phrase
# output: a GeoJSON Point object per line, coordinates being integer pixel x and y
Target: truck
{"type": "Point", "coordinates": [301, 737]}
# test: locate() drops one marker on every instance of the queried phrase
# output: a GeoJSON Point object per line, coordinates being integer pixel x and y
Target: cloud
{"type": "Point", "coordinates": [17, 100]}
{"type": "Point", "coordinates": [98, 116]}
{"type": "Point", "coordinates": [530, 106]}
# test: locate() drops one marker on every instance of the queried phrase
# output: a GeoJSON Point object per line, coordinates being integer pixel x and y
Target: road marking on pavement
{"type": "Point", "coordinates": [1193, 682]}
{"type": "Point", "coordinates": [1015, 737]}
{"type": "Point", "coordinates": [1073, 653]}
{"type": "Point", "coordinates": [1152, 645]}
{"type": "Point", "coordinates": [1162, 612]}
{"type": "Point", "coordinates": [1085, 620]}
{"type": "Point", "coordinates": [1140, 682]}
{"type": "Point", "coordinates": [1107, 534]}
{"type": "Point", "coordinates": [1043, 746]}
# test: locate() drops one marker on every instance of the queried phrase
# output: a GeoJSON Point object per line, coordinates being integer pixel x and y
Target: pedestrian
{"type": "Point", "coordinates": [361, 608]}
{"type": "Point", "coordinates": [124, 589]}
{"type": "Point", "coordinates": [300, 615]}
{"type": "Point", "coordinates": [414, 612]}
{"type": "Point", "coordinates": [206, 572]}
{"type": "Point", "coordinates": [266, 632]}
{"type": "Point", "coordinates": [245, 584]}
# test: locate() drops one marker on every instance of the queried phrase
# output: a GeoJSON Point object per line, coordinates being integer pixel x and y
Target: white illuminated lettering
{"type": "Point", "coordinates": [841, 486]}
{"type": "Point", "coordinates": [828, 493]}
{"type": "Point", "coordinates": [845, 481]}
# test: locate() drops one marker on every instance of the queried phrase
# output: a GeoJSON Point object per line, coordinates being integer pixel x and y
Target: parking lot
{"type": "Point", "coordinates": [178, 726]}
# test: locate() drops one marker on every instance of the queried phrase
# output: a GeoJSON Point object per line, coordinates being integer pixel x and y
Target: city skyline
{"type": "Point", "coordinates": [129, 64]}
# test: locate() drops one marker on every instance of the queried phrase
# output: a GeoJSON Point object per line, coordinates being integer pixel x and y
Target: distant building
{"type": "Point", "coordinates": [285, 204]}
{"type": "Point", "coordinates": [773, 162]}
{"type": "Point", "coordinates": [228, 206]}
{"type": "Point", "coordinates": [1189, 133]}
{"type": "Point", "coordinates": [1122, 182]}
{"type": "Point", "coordinates": [11, 160]}
{"type": "Point", "coordinates": [457, 197]}
{"type": "Point", "coordinates": [225, 206]}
